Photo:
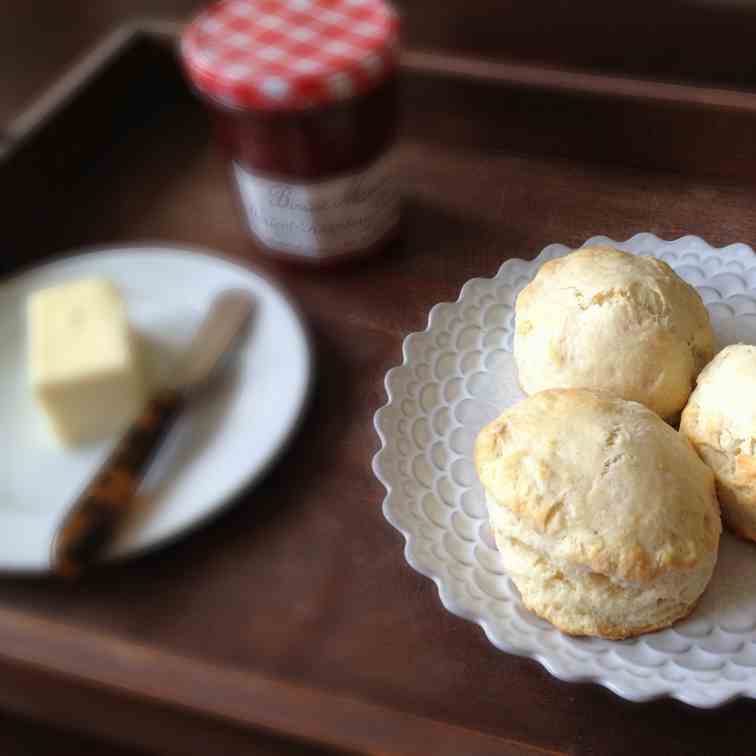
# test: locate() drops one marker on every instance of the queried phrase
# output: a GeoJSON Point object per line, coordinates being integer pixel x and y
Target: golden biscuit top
{"type": "Point", "coordinates": [606, 483]}
{"type": "Point", "coordinates": [606, 319]}
{"type": "Point", "coordinates": [596, 276]}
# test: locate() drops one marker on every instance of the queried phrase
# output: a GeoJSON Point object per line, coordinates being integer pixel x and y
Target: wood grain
{"type": "Point", "coordinates": [297, 604]}
{"type": "Point", "coordinates": [243, 701]}
{"type": "Point", "coordinates": [704, 42]}
{"type": "Point", "coordinates": [26, 737]}
{"type": "Point", "coordinates": [677, 40]}
{"type": "Point", "coordinates": [40, 40]}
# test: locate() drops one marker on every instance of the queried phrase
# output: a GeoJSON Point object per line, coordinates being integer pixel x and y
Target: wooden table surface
{"type": "Point", "coordinates": [538, 715]}
{"type": "Point", "coordinates": [712, 42]}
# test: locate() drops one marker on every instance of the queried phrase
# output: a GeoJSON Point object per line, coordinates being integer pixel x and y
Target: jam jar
{"type": "Point", "coordinates": [303, 94]}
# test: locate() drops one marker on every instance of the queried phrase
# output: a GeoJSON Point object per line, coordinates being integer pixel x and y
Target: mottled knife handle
{"type": "Point", "coordinates": [96, 516]}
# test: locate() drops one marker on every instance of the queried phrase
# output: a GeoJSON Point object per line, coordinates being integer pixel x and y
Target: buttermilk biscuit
{"type": "Point", "coordinates": [606, 519]}
{"type": "Point", "coordinates": [720, 420]}
{"type": "Point", "coordinates": [604, 319]}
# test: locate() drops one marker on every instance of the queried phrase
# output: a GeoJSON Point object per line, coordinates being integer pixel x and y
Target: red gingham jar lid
{"type": "Point", "coordinates": [290, 54]}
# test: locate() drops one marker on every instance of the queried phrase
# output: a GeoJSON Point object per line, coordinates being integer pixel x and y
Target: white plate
{"type": "Point", "coordinates": [456, 376]}
{"type": "Point", "coordinates": [226, 440]}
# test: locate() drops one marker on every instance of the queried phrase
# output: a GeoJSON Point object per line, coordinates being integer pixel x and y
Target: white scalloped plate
{"type": "Point", "coordinates": [456, 376]}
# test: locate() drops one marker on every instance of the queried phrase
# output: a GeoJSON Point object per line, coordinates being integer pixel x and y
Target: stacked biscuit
{"type": "Point", "coordinates": [606, 518]}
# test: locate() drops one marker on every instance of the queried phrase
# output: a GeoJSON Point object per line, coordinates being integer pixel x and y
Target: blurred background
{"type": "Point", "coordinates": [707, 41]}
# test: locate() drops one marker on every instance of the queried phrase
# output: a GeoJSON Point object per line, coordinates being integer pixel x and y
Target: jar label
{"type": "Point", "coordinates": [324, 218]}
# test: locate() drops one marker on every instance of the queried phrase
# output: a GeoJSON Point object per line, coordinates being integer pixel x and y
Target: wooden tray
{"type": "Point", "coordinates": [294, 613]}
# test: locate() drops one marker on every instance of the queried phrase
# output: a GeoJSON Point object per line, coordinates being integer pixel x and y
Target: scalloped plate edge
{"type": "Point", "coordinates": [642, 239]}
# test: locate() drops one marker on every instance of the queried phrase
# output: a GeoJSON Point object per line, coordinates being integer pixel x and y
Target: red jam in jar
{"type": "Point", "coordinates": [304, 97]}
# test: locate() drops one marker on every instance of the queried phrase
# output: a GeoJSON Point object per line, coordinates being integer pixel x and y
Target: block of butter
{"type": "Point", "coordinates": [83, 366]}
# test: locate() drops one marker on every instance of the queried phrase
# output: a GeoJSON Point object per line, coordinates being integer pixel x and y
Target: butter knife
{"type": "Point", "coordinates": [95, 518]}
